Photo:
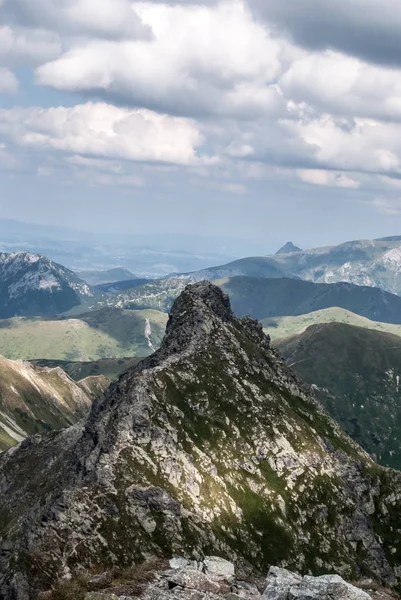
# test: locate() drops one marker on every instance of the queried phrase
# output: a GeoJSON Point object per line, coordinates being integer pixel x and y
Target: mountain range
{"type": "Point", "coordinates": [209, 446]}
{"type": "Point", "coordinates": [374, 263]}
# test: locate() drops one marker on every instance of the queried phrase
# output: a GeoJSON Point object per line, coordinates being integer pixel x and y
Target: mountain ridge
{"type": "Point", "coordinates": [211, 443]}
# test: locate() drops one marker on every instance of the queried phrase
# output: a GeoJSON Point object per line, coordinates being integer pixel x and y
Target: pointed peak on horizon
{"type": "Point", "coordinates": [289, 248]}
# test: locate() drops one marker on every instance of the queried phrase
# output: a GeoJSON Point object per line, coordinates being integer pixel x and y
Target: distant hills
{"type": "Point", "coordinates": [281, 327]}
{"type": "Point", "coordinates": [374, 263]}
{"type": "Point", "coordinates": [108, 332]}
{"type": "Point", "coordinates": [35, 400]}
{"type": "Point", "coordinates": [261, 298]}
{"type": "Point", "coordinates": [33, 285]}
{"type": "Point", "coordinates": [357, 375]}
{"type": "Point", "coordinates": [93, 277]}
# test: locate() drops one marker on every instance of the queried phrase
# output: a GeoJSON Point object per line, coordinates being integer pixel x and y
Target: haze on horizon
{"type": "Point", "coordinates": [255, 119]}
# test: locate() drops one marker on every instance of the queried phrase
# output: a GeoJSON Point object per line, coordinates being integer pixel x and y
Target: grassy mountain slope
{"type": "Point", "coordinates": [261, 298]}
{"type": "Point", "coordinates": [281, 327]}
{"type": "Point", "coordinates": [357, 373]}
{"type": "Point", "coordinates": [35, 400]}
{"type": "Point", "coordinates": [211, 445]}
{"type": "Point", "coordinates": [108, 332]}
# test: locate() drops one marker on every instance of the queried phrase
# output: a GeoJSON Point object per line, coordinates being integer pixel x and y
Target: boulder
{"type": "Point", "coordinates": [326, 587]}
{"type": "Point", "coordinates": [219, 567]}
{"type": "Point", "coordinates": [279, 582]}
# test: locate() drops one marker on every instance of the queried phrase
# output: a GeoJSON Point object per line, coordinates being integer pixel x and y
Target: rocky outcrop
{"type": "Point", "coordinates": [211, 445]}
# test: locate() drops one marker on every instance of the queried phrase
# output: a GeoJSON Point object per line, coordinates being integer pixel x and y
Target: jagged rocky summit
{"type": "Point", "coordinates": [209, 446]}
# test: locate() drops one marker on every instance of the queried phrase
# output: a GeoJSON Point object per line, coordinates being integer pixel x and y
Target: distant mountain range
{"type": "Point", "coordinates": [93, 277]}
{"type": "Point", "coordinates": [261, 298]}
{"type": "Point", "coordinates": [35, 400]}
{"type": "Point", "coordinates": [356, 373]}
{"type": "Point", "coordinates": [33, 285]}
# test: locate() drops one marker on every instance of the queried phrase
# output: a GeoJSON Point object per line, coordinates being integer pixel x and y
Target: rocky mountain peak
{"type": "Point", "coordinates": [288, 248]}
{"type": "Point", "coordinates": [211, 445]}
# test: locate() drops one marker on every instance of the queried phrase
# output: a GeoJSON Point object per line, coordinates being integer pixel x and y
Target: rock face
{"type": "Point", "coordinates": [209, 446]}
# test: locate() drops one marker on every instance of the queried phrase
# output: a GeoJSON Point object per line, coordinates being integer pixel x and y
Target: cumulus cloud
{"type": "Point", "coordinates": [200, 60]}
{"type": "Point", "coordinates": [343, 85]}
{"type": "Point", "coordinates": [102, 130]}
{"type": "Point", "coordinates": [104, 18]}
{"type": "Point", "coordinates": [8, 82]}
{"type": "Point", "coordinates": [369, 30]}
{"type": "Point", "coordinates": [25, 46]}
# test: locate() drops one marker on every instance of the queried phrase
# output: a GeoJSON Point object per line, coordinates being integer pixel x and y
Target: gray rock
{"type": "Point", "coordinates": [219, 567]}
{"type": "Point", "coordinates": [179, 563]}
{"type": "Point", "coordinates": [196, 580]}
{"type": "Point", "coordinates": [326, 587]}
{"type": "Point", "coordinates": [279, 582]}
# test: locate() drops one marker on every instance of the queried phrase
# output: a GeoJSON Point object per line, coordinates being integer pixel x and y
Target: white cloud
{"type": "Point", "coordinates": [327, 178]}
{"type": "Point", "coordinates": [8, 82]}
{"type": "Point", "coordinates": [104, 18]}
{"type": "Point", "coordinates": [25, 46]}
{"type": "Point", "coordinates": [102, 130]}
{"type": "Point", "coordinates": [339, 84]}
{"type": "Point", "coordinates": [200, 60]}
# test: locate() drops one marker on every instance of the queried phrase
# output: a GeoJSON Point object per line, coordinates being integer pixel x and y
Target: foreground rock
{"type": "Point", "coordinates": [211, 445]}
{"type": "Point", "coordinates": [191, 580]}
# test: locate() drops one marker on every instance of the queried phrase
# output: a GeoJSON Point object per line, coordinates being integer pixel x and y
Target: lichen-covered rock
{"type": "Point", "coordinates": [209, 446]}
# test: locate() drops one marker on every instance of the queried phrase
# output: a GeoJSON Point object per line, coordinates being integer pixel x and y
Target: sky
{"type": "Point", "coordinates": [256, 119]}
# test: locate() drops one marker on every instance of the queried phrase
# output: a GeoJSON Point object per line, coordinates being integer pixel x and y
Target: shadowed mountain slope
{"type": "Point", "coordinates": [357, 373]}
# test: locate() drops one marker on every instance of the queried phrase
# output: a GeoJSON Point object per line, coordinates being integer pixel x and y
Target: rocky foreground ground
{"type": "Point", "coordinates": [215, 578]}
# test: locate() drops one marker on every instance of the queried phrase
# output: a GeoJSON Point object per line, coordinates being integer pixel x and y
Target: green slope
{"type": "Point", "coordinates": [281, 327]}
{"type": "Point", "coordinates": [357, 374]}
{"type": "Point", "coordinates": [108, 332]}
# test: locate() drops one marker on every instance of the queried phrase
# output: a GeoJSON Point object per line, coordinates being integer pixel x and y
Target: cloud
{"type": "Point", "coordinates": [200, 61]}
{"type": "Point", "coordinates": [327, 178]}
{"type": "Point", "coordinates": [102, 130]}
{"type": "Point", "coordinates": [342, 85]}
{"type": "Point", "coordinates": [369, 30]}
{"type": "Point", "coordinates": [25, 46]}
{"type": "Point", "coordinates": [103, 18]}
{"type": "Point", "coordinates": [387, 206]}
{"type": "Point", "coordinates": [8, 82]}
